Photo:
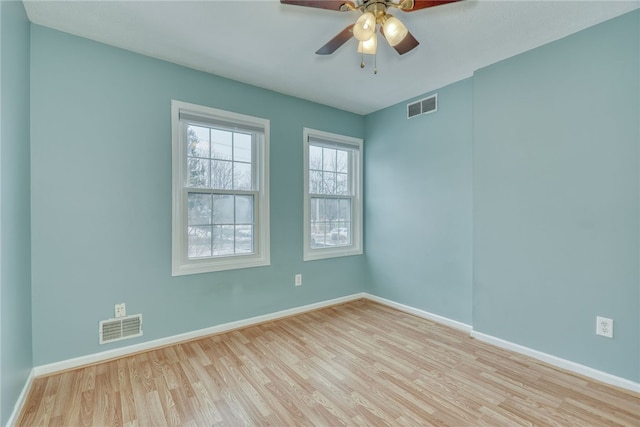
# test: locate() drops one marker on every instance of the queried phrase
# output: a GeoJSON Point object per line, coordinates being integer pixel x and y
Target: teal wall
{"type": "Point", "coordinates": [418, 204]}
{"type": "Point", "coordinates": [556, 197]}
{"type": "Point", "coordinates": [15, 257]}
{"type": "Point", "coordinates": [101, 199]}
{"type": "Point", "coordinates": [515, 207]}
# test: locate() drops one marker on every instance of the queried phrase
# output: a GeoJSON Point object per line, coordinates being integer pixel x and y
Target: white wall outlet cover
{"type": "Point", "coordinates": [121, 310]}
{"type": "Point", "coordinates": [298, 280]}
{"type": "Point", "coordinates": [604, 327]}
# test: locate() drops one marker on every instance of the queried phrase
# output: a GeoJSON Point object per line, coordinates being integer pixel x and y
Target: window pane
{"type": "Point", "coordinates": [331, 209]}
{"type": "Point", "coordinates": [317, 206]}
{"type": "Point", "coordinates": [223, 240]}
{"type": "Point", "coordinates": [241, 176]}
{"type": "Point", "coordinates": [329, 159]}
{"type": "Point", "coordinates": [329, 183]}
{"type": "Point", "coordinates": [317, 224]}
{"type": "Point", "coordinates": [322, 212]}
{"type": "Point", "coordinates": [199, 242]}
{"type": "Point", "coordinates": [344, 210]}
{"type": "Point", "coordinates": [221, 141]}
{"type": "Point", "coordinates": [244, 209]}
{"type": "Point", "coordinates": [349, 235]}
{"type": "Point", "coordinates": [242, 147]}
{"type": "Point", "coordinates": [199, 209]}
{"type": "Point", "coordinates": [223, 209]}
{"type": "Point", "coordinates": [330, 229]}
{"type": "Point", "coordinates": [244, 239]}
{"type": "Point", "coordinates": [198, 141]}
{"type": "Point", "coordinates": [317, 236]}
{"type": "Point", "coordinates": [197, 172]}
{"type": "Point", "coordinates": [315, 182]}
{"type": "Point", "coordinates": [340, 234]}
{"type": "Point", "coordinates": [342, 161]}
{"type": "Point", "coordinates": [221, 175]}
{"type": "Point", "coordinates": [315, 157]}
{"type": "Point", "coordinates": [342, 184]}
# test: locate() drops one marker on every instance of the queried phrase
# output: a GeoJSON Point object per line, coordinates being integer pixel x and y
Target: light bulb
{"type": "Point", "coordinates": [369, 46]}
{"type": "Point", "coordinates": [394, 30]}
{"type": "Point", "coordinates": [364, 27]}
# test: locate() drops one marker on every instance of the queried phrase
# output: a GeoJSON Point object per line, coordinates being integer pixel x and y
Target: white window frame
{"type": "Point", "coordinates": [355, 248]}
{"type": "Point", "coordinates": [181, 264]}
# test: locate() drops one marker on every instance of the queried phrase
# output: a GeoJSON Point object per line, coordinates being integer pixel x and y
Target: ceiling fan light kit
{"type": "Point", "coordinates": [394, 30]}
{"type": "Point", "coordinates": [365, 27]}
{"type": "Point", "coordinates": [370, 46]}
{"type": "Point", "coordinates": [374, 15]}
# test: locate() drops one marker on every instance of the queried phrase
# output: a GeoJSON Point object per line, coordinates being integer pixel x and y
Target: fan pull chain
{"type": "Point", "coordinates": [375, 63]}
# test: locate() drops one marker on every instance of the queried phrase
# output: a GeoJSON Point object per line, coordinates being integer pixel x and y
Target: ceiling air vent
{"type": "Point", "coordinates": [424, 106]}
{"type": "Point", "coordinates": [120, 329]}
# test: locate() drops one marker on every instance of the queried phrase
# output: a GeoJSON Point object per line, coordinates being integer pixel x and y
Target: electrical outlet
{"type": "Point", "coordinates": [121, 310]}
{"type": "Point", "coordinates": [604, 327]}
{"type": "Point", "coordinates": [298, 281]}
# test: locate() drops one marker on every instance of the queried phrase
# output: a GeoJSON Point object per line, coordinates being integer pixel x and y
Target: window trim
{"type": "Point", "coordinates": [310, 254]}
{"type": "Point", "coordinates": [180, 263]}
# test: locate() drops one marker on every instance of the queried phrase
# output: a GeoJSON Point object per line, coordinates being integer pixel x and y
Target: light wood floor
{"type": "Point", "coordinates": [359, 363]}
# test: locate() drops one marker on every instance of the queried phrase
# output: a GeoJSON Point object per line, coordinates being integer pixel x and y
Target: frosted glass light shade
{"type": "Point", "coordinates": [394, 30]}
{"type": "Point", "coordinates": [364, 27]}
{"type": "Point", "coordinates": [369, 46]}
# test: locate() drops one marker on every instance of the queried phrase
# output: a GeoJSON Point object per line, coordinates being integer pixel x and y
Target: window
{"type": "Point", "coordinates": [333, 195]}
{"type": "Point", "coordinates": [220, 190]}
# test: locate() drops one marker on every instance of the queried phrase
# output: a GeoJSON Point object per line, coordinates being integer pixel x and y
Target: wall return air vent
{"type": "Point", "coordinates": [120, 328]}
{"type": "Point", "coordinates": [424, 106]}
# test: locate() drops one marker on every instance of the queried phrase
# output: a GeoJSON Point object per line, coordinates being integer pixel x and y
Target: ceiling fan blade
{"type": "Point", "coordinates": [319, 4]}
{"type": "Point", "coordinates": [423, 4]}
{"type": "Point", "coordinates": [332, 45]}
{"type": "Point", "coordinates": [408, 43]}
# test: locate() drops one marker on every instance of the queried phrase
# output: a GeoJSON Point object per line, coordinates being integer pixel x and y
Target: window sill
{"type": "Point", "coordinates": [316, 254]}
{"type": "Point", "coordinates": [210, 266]}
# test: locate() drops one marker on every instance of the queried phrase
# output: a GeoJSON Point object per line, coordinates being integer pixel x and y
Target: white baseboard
{"type": "Point", "coordinates": [421, 313]}
{"type": "Point", "coordinates": [149, 345]}
{"type": "Point", "coordinates": [22, 398]}
{"type": "Point", "coordinates": [560, 363]}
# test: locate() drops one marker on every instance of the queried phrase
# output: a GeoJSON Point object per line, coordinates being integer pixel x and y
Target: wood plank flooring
{"type": "Point", "coordinates": [356, 364]}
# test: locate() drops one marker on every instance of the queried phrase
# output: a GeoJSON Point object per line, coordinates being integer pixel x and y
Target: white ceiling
{"type": "Point", "coordinates": [271, 45]}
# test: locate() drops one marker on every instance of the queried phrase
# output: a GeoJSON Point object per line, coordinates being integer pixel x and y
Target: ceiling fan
{"type": "Point", "coordinates": [374, 14]}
